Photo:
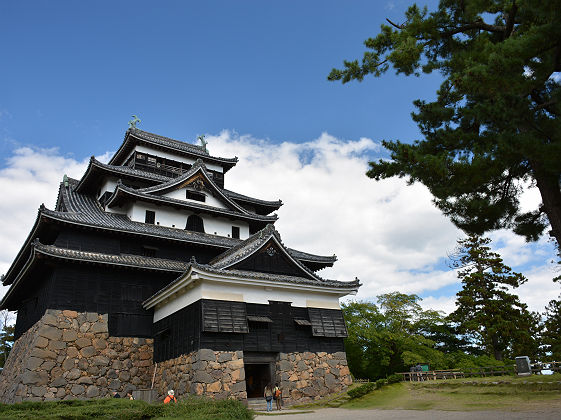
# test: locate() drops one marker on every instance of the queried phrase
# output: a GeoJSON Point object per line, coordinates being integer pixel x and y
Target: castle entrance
{"type": "Point", "coordinates": [259, 371]}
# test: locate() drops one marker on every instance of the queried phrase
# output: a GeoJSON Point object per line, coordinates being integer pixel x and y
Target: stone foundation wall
{"type": "Point", "coordinates": [308, 376]}
{"type": "Point", "coordinates": [213, 374]}
{"type": "Point", "coordinates": [68, 355]}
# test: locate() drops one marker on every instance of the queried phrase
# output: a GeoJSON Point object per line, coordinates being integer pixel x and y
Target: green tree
{"type": "Point", "coordinates": [386, 338]}
{"type": "Point", "coordinates": [6, 335]}
{"type": "Point", "coordinates": [552, 330]}
{"type": "Point", "coordinates": [495, 122]}
{"type": "Point", "coordinates": [496, 319]}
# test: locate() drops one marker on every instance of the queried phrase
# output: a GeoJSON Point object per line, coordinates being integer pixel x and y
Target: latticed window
{"type": "Point", "coordinates": [195, 223]}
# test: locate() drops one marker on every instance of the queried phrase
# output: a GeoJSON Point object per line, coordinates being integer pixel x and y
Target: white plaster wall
{"type": "Point", "coordinates": [109, 184]}
{"type": "Point", "coordinates": [170, 217]}
{"type": "Point", "coordinates": [165, 155]}
{"type": "Point", "coordinates": [248, 294]}
{"type": "Point", "coordinates": [180, 194]}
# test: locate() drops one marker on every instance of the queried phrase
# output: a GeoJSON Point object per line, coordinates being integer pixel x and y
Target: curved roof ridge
{"type": "Point", "coordinates": [236, 195]}
{"type": "Point", "coordinates": [174, 181]}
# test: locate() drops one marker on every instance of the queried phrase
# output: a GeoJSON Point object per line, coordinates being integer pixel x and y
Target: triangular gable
{"type": "Point", "coordinates": [196, 179]}
{"type": "Point", "coordinates": [263, 252]}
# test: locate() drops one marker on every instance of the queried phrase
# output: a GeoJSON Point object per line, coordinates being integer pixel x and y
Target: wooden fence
{"type": "Point", "coordinates": [479, 372]}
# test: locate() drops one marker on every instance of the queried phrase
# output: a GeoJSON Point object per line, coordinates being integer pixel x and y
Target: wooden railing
{"type": "Point", "coordinates": [480, 372]}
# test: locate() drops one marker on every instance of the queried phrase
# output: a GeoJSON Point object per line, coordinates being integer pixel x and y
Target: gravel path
{"type": "Point", "coordinates": [343, 414]}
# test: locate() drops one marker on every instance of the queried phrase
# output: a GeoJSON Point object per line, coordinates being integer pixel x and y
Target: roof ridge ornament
{"type": "Point", "coordinates": [203, 142]}
{"type": "Point", "coordinates": [65, 180]}
{"type": "Point", "coordinates": [132, 123]}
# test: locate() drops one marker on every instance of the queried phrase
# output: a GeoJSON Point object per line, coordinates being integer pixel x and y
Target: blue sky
{"type": "Point", "coordinates": [74, 72]}
{"type": "Point", "coordinates": [252, 75]}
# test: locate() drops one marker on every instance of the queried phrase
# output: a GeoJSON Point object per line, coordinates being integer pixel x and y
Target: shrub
{"type": "Point", "coordinates": [361, 390]}
{"type": "Point", "coordinates": [393, 379]}
{"type": "Point", "coordinates": [380, 383]}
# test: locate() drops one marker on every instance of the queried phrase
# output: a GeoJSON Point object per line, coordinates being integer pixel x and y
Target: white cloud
{"type": "Point", "coordinates": [387, 234]}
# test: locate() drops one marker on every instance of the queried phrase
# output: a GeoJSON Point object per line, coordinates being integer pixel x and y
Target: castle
{"type": "Point", "coordinates": [150, 274]}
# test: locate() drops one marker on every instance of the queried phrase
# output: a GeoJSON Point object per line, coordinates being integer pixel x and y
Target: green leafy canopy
{"type": "Point", "coordinates": [495, 123]}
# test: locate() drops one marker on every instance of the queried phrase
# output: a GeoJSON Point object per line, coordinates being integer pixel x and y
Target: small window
{"type": "Point", "coordinates": [140, 156]}
{"type": "Point", "coordinates": [195, 224]}
{"type": "Point", "coordinates": [192, 195]}
{"type": "Point", "coordinates": [151, 160]}
{"type": "Point", "coordinates": [150, 217]}
{"type": "Point", "coordinates": [235, 232]}
{"type": "Point", "coordinates": [148, 251]}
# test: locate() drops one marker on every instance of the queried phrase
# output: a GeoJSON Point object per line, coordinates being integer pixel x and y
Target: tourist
{"type": "Point", "coordinates": [170, 397]}
{"type": "Point", "coordinates": [268, 394]}
{"type": "Point", "coordinates": [129, 396]}
{"type": "Point", "coordinates": [116, 394]}
{"type": "Point", "coordinates": [277, 395]}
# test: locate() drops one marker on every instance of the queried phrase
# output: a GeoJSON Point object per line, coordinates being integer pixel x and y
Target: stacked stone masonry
{"type": "Point", "coordinates": [213, 374]}
{"type": "Point", "coordinates": [69, 355]}
{"type": "Point", "coordinates": [309, 376]}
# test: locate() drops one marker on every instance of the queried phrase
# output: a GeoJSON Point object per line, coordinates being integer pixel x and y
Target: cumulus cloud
{"type": "Point", "coordinates": [387, 234]}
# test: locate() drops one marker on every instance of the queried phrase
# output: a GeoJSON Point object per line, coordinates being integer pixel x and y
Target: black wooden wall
{"type": "Point", "coordinates": [92, 288]}
{"type": "Point", "coordinates": [181, 333]}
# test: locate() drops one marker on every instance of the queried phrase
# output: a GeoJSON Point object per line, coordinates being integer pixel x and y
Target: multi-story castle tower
{"type": "Point", "coordinates": [149, 274]}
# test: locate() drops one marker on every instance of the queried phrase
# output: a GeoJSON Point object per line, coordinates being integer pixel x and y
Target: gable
{"type": "Point", "coordinates": [196, 189]}
{"type": "Point", "coordinates": [270, 258]}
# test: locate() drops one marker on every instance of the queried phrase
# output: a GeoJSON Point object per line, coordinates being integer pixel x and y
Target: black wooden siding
{"type": "Point", "coordinates": [269, 259]}
{"type": "Point", "coordinates": [181, 332]}
{"type": "Point", "coordinates": [89, 288]}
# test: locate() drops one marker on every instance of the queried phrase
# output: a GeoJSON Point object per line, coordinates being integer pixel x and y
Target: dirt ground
{"type": "Point", "coordinates": [345, 414]}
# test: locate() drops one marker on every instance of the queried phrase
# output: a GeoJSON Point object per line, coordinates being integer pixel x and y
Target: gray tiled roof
{"type": "Point", "coordinates": [280, 278]}
{"type": "Point", "coordinates": [252, 244]}
{"type": "Point", "coordinates": [168, 143]}
{"type": "Point", "coordinates": [127, 260]}
{"type": "Point", "coordinates": [237, 196]}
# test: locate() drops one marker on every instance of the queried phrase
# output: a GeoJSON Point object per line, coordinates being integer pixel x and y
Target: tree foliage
{"type": "Point", "coordinates": [552, 329]}
{"type": "Point", "coordinates": [486, 310]}
{"type": "Point", "coordinates": [495, 122]}
{"type": "Point", "coordinates": [6, 335]}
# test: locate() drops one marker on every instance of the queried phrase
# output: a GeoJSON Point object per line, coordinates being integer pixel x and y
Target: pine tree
{"type": "Point", "coordinates": [486, 310]}
{"type": "Point", "coordinates": [495, 122]}
{"type": "Point", "coordinates": [552, 329]}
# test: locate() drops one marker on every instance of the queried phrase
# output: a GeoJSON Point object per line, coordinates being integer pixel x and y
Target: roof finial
{"type": "Point", "coordinates": [65, 180]}
{"type": "Point", "coordinates": [132, 123]}
{"type": "Point", "coordinates": [203, 142]}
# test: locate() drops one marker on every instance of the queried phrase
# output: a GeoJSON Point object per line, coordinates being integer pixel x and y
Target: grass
{"type": "Point", "coordinates": [117, 409]}
{"type": "Point", "coordinates": [507, 393]}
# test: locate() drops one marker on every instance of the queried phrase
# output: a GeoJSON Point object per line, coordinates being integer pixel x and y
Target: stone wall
{"type": "Point", "coordinates": [68, 355]}
{"type": "Point", "coordinates": [308, 376]}
{"type": "Point", "coordinates": [213, 374]}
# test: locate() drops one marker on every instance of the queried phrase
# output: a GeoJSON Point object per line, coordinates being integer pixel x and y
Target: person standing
{"type": "Point", "coordinates": [268, 394]}
{"type": "Point", "coordinates": [277, 395]}
{"type": "Point", "coordinates": [170, 397]}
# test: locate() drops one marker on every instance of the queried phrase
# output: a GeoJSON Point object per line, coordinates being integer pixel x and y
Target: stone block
{"type": "Point", "coordinates": [124, 376]}
{"type": "Point", "coordinates": [35, 378]}
{"type": "Point", "coordinates": [100, 361]}
{"type": "Point", "coordinates": [301, 366]}
{"type": "Point", "coordinates": [99, 327]}
{"type": "Point", "coordinates": [341, 355]}
{"type": "Point", "coordinates": [112, 374]}
{"type": "Point", "coordinates": [41, 342]}
{"type": "Point", "coordinates": [83, 364]}
{"type": "Point", "coordinates": [58, 382]}
{"type": "Point", "coordinates": [88, 351]}
{"type": "Point", "coordinates": [238, 375]}
{"type": "Point", "coordinates": [72, 352]}
{"type": "Point", "coordinates": [197, 389]}
{"type": "Point", "coordinates": [50, 319]}
{"type": "Point", "coordinates": [85, 327]}
{"type": "Point", "coordinates": [73, 374]}
{"type": "Point", "coordinates": [38, 391]}
{"type": "Point", "coordinates": [100, 344]}
{"type": "Point", "coordinates": [203, 377]}
{"type": "Point", "coordinates": [69, 335]}
{"type": "Point", "coordinates": [68, 364]}
{"type": "Point", "coordinates": [214, 387]}
{"type": "Point", "coordinates": [101, 381]}
{"type": "Point", "coordinates": [56, 345]}
{"type": "Point", "coordinates": [331, 381]}
{"type": "Point", "coordinates": [114, 384]}
{"type": "Point", "coordinates": [319, 372]}
{"type": "Point", "coordinates": [70, 314]}
{"type": "Point", "coordinates": [285, 365]}
{"type": "Point", "coordinates": [43, 353]}
{"type": "Point", "coordinates": [235, 364]}
{"type": "Point", "coordinates": [50, 332]}
{"type": "Point", "coordinates": [224, 357]}
{"type": "Point", "coordinates": [91, 316]}
{"type": "Point", "coordinates": [83, 342]}
{"type": "Point", "coordinates": [238, 387]}
{"type": "Point", "coordinates": [33, 363]}
{"type": "Point", "coordinates": [48, 365]}
{"type": "Point", "coordinates": [77, 389]}
{"type": "Point", "coordinates": [85, 380]}
{"type": "Point", "coordinates": [92, 391]}
{"type": "Point", "coordinates": [207, 355]}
